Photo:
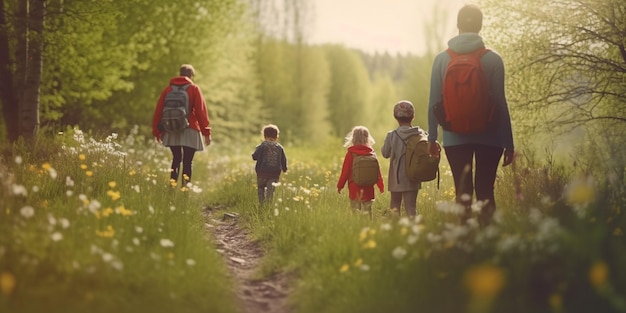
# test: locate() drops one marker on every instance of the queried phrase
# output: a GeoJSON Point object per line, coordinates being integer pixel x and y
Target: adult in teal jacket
{"type": "Point", "coordinates": [485, 149]}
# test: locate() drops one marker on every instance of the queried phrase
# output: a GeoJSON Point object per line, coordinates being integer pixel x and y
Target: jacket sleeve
{"type": "Point", "coordinates": [158, 111]}
{"type": "Point", "coordinates": [496, 81]}
{"type": "Point", "coordinates": [386, 149]}
{"type": "Point", "coordinates": [284, 160]}
{"type": "Point", "coordinates": [346, 171]}
{"type": "Point", "coordinates": [200, 110]}
{"type": "Point", "coordinates": [436, 82]}
{"type": "Point", "coordinates": [380, 183]}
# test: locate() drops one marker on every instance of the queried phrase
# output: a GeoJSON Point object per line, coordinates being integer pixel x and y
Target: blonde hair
{"type": "Point", "coordinates": [359, 135]}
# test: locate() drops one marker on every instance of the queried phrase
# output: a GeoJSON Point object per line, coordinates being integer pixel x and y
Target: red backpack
{"type": "Point", "coordinates": [467, 108]}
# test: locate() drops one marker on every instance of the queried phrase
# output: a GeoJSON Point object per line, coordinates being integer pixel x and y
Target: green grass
{"type": "Point", "coordinates": [106, 233]}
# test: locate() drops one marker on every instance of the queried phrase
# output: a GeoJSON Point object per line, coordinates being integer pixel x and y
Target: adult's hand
{"type": "Point", "coordinates": [509, 157]}
{"type": "Point", "coordinates": [434, 149]}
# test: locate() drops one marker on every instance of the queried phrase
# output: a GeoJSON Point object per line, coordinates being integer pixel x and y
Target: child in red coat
{"type": "Point", "coordinates": [359, 142]}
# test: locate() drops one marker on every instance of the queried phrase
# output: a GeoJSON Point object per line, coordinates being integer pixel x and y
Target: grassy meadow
{"type": "Point", "coordinates": [93, 225]}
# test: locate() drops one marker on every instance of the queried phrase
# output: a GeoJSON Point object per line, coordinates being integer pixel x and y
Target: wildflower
{"type": "Point", "coordinates": [65, 223]}
{"type": "Point", "coordinates": [172, 208]}
{"type": "Point", "coordinates": [89, 173]}
{"type": "Point", "coordinates": [404, 231]}
{"type": "Point", "coordinates": [580, 192]}
{"type": "Point", "coordinates": [132, 173]}
{"type": "Point", "coordinates": [112, 184]}
{"type": "Point", "coordinates": [191, 262]}
{"type": "Point", "coordinates": [7, 283]}
{"type": "Point", "coordinates": [123, 211]}
{"type": "Point", "coordinates": [275, 212]}
{"type": "Point", "coordinates": [56, 236]}
{"type": "Point", "coordinates": [363, 233]}
{"type": "Point", "coordinates": [18, 160]}
{"type": "Point", "coordinates": [108, 233]}
{"type": "Point", "coordinates": [358, 262]}
{"type": "Point", "coordinates": [412, 239]}
{"type": "Point", "coordinates": [19, 190]}
{"type": "Point", "coordinates": [136, 241]}
{"type": "Point", "coordinates": [114, 195]}
{"type": "Point", "coordinates": [136, 188]}
{"type": "Point", "coordinates": [344, 268]}
{"type": "Point", "coordinates": [27, 211]}
{"type": "Point", "coordinates": [82, 157]}
{"type": "Point", "coordinates": [385, 227]}
{"type": "Point", "coordinates": [35, 189]}
{"type": "Point", "coordinates": [83, 166]}
{"type": "Point", "coordinates": [598, 274]}
{"type": "Point", "coordinates": [398, 253]}
{"type": "Point", "coordinates": [166, 243]}
{"type": "Point", "coordinates": [139, 229]}
{"type": "Point", "coordinates": [370, 244]}
{"type": "Point", "coordinates": [364, 267]}
{"type": "Point", "coordinates": [484, 281]}
{"type": "Point", "coordinates": [107, 257]}
{"type": "Point", "coordinates": [107, 212]}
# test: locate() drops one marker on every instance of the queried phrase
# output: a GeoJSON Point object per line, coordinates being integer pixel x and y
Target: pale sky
{"type": "Point", "coordinates": [379, 25]}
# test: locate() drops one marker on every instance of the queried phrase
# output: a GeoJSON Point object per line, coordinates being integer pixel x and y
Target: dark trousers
{"type": "Point", "coordinates": [184, 154]}
{"type": "Point", "coordinates": [462, 159]}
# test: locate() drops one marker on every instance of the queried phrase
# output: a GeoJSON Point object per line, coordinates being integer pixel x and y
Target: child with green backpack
{"type": "Point", "coordinates": [404, 188]}
{"type": "Point", "coordinates": [360, 170]}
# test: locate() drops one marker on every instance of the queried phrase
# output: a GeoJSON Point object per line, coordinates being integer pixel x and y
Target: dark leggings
{"type": "Point", "coordinates": [184, 154]}
{"type": "Point", "coordinates": [461, 162]}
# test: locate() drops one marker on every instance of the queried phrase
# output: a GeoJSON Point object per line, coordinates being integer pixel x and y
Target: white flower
{"type": "Point", "coordinates": [56, 236]}
{"type": "Point", "coordinates": [69, 182]}
{"type": "Point", "coordinates": [404, 221]}
{"type": "Point", "coordinates": [151, 209]}
{"type": "Point", "coordinates": [27, 211]}
{"type": "Point", "coordinates": [19, 190]}
{"type": "Point", "coordinates": [65, 223]}
{"type": "Point", "coordinates": [191, 262]}
{"type": "Point", "coordinates": [118, 265]}
{"type": "Point", "coordinates": [107, 257]}
{"type": "Point", "coordinates": [166, 243]}
{"type": "Point", "coordinates": [53, 173]}
{"type": "Point", "coordinates": [275, 212]}
{"type": "Point", "coordinates": [94, 206]}
{"type": "Point", "coordinates": [411, 239]}
{"type": "Point", "coordinates": [398, 253]}
{"type": "Point", "coordinates": [35, 189]}
{"type": "Point", "coordinates": [52, 220]}
{"type": "Point", "coordinates": [69, 193]}
{"type": "Point", "coordinates": [18, 160]}
{"type": "Point", "coordinates": [136, 188]}
{"type": "Point", "coordinates": [139, 229]}
{"type": "Point", "coordinates": [172, 208]}
{"type": "Point", "coordinates": [364, 267]}
{"type": "Point", "coordinates": [136, 241]}
{"type": "Point", "coordinates": [385, 226]}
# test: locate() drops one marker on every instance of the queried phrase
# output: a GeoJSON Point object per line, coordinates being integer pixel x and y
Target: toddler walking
{"type": "Point", "coordinates": [359, 143]}
{"type": "Point", "coordinates": [270, 161]}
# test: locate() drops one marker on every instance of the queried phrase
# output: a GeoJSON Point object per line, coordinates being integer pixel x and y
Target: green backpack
{"type": "Point", "coordinates": [419, 165]}
{"type": "Point", "coordinates": [365, 169]}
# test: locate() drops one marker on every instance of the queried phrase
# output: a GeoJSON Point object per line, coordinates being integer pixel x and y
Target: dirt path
{"type": "Point", "coordinates": [243, 257]}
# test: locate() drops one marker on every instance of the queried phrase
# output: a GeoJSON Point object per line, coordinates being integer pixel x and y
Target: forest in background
{"type": "Point", "coordinates": [101, 65]}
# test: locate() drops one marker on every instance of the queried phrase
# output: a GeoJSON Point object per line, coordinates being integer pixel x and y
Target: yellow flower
{"type": "Point", "coordinates": [112, 184]}
{"type": "Point", "coordinates": [132, 173]}
{"type": "Point", "coordinates": [581, 192]}
{"type": "Point", "coordinates": [173, 182]}
{"type": "Point", "coordinates": [598, 274]}
{"type": "Point", "coordinates": [83, 166]}
{"type": "Point", "coordinates": [344, 268]}
{"type": "Point", "coordinates": [556, 302]}
{"type": "Point", "coordinates": [7, 283]}
{"type": "Point", "coordinates": [123, 211]}
{"type": "Point", "coordinates": [363, 235]}
{"type": "Point", "coordinates": [89, 173]}
{"type": "Point", "coordinates": [108, 233]}
{"type": "Point", "coordinates": [370, 244]}
{"type": "Point", "coordinates": [106, 212]}
{"type": "Point", "coordinates": [358, 262]}
{"type": "Point", "coordinates": [484, 281]}
{"type": "Point", "coordinates": [404, 231]}
{"type": "Point", "coordinates": [113, 194]}
{"type": "Point", "coordinates": [82, 157]}
{"type": "Point", "coordinates": [46, 166]}
{"type": "Point", "coordinates": [617, 232]}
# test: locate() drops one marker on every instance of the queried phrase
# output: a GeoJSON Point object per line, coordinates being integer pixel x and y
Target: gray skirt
{"type": "Point", "coordinates": [189, 137]}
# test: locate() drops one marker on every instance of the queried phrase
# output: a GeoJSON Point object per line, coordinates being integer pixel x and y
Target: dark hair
{"type": "Point", "coordinates": [470, 19]}
{"type": "Point", "coordinates": [270, 131]}
{"type": "Point", "coordinates": [187, 70]}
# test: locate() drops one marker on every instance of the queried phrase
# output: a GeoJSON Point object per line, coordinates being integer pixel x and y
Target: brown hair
{"type": "Point", "coordinates": [270, 131]}
{"type": "Point", "coordinates": [470, 19]}
{"type": "Point", "coordinates": [187, 70]}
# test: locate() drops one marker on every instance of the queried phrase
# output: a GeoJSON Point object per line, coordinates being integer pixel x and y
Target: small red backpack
{"type": "Point", "coordinates": [467, 107]}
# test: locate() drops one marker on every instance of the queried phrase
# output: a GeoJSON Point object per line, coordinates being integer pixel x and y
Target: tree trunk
{"type": "Point", "coordinates": [8, 97]}
{"type": "Point", "coordinates": [29, 108]}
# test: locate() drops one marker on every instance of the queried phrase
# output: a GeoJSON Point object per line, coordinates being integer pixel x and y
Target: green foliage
{"type": "Point", "coordinates": [94, 226]}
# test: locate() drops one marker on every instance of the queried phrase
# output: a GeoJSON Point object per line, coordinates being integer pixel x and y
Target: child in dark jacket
{"type": "Point", "coordinates": [270, 161]}
{"type": "Point", "coordinates": [359, 142]}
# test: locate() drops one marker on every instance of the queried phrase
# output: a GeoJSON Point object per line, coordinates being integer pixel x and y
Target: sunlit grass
{"type": "Point", "coordinates": [97, 226]}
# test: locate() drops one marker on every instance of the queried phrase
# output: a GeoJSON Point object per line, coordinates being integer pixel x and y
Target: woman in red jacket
{"type": "Point", "coordinates": [186, 142]}
{"type": "Point", "coordinates": [359, 143]}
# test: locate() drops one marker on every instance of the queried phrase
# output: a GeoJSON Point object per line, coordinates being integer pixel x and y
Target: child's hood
{"type": "Point", "coordinates": [405, 131]}
{"type": "Point", "coordinates": [360, 149]}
